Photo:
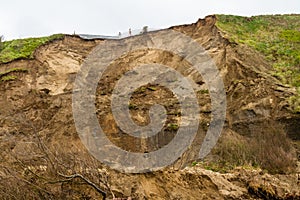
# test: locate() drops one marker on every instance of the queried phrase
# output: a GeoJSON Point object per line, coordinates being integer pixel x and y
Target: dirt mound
{"type": "Point", "coordinates": [43, 157]}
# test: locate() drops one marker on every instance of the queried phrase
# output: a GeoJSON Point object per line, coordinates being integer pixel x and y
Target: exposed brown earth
{"type": "Point", "coordinates": [40, 148]}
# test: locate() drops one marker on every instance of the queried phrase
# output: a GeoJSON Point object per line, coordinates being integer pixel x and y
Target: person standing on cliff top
{"type": "Point", "coordinates": [129, 31]}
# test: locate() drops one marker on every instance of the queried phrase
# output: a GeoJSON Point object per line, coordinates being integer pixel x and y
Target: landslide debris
{"type": "Point", "coordinates": [42, 156]}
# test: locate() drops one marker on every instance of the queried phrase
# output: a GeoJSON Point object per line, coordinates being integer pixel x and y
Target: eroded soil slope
{"type": "Point", "coordinates": [42, 155]}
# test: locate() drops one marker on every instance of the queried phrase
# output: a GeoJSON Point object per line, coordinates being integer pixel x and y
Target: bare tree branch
{"type": "Point", "coordinates": [70, 177]}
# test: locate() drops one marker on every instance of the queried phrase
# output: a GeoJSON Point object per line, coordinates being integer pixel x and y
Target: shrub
{"type": "Point", "coordinates": [268, 147]}
{"type": "Point", "coordinates": [272, 150]}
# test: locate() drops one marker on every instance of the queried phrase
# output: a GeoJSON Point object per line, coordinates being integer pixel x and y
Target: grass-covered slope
{"type": "Point", "coordinates": [277, 37]}
{"type": "Point", "coordinates": [23, 48]}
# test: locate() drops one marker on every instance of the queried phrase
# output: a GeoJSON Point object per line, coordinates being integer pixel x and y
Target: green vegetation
{"type": "Point", "coordinates": [172, 127]}
{"type": "Point", "coordinates": [215, 166]}
{"type": "Point", "coordinates": [143, 89]}
{"type": "Point", "coordinates": [277, 37]}
{"type": "Point", "coordinates": [23, 48]}
{"type": "Point", "coordinates": [295, 101]}
{"type": "Point", "coordinates": [203, 92]}
{"type": "Point", "coordinates": [13, 70]}
{"type": "Point", "coordinates": [151, 88]}
{"type": "Point", "coordinates": [8, 78]}
{"type": "Point", "coordinates": [5, 76]}
{"type": "Point", "coordinates": [140, 90]}
{"type": "Point", "coordinates": [132, 106]}
{"type": "Point", "coordinates": [194, 163]}
{"type": "Point", "coordinates": [268, 149]}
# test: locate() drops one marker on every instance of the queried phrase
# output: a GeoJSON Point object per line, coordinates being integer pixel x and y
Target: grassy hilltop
{"type": "Point", "coordinates": [277, 37]}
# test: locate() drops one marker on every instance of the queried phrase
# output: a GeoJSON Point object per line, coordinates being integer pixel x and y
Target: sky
{"type": "Point", "coordinates": [34, 18]}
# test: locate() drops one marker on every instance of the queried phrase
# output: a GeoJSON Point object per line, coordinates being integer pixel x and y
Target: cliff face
{"type": "Point", "coordinates": [40, 147]}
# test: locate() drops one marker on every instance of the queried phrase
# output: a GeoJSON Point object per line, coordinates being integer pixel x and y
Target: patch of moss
{"type": "Point", "coordinates": [194, 163]}
{"type": "Point", "coordinates": [12, 70]}
{"type": "Point", "coordinates": [294, 101]}
{"type": "Point", "coordinates": [8, 78]}
{"type": "Point", "coordinates": [140, 90]}
{"type": "Point", "coordinates": [172, 127]}
{"type": "Point", "coordinates": [5, 76]}
{"type": "Point", "coordinates": [203, 92]}
{"type": "Point", "coordinates": [23, 48]}
{"type": "Point", "coordinates": [151, 88]}
{"type": "Point", "coordinates": [132, 106]}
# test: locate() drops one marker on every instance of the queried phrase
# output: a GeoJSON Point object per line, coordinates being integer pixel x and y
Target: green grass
{"type": "Point", "coordinates": [5, 76]}
{"type": "Point", "coordinates": [151, 88]}
{"type": "Point", "coordinates": [203, 92]}
{"type": "Point", "coordinates": [277, 37]}
{"type": "Point", "coordinates": [172, 127]}
{"type": "Point", "coordinates": [23, 48]}
{"type": "Point", "coordinates": [12, 70]}
{"type": "Point", "coordinates": [140, 90]}
{"type": "Point", "coordinates": [8, 78]}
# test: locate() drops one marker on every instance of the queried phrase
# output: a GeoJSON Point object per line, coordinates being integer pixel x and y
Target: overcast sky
{"type": "Point", "coordinates": [32, 18]}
